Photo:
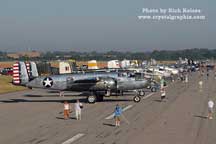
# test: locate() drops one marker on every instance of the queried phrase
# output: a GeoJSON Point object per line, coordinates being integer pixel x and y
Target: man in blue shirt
{"type": "Point", "coordinates": [118, 113]}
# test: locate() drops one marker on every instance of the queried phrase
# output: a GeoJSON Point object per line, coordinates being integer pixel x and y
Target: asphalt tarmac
{"type": "Point", "coordinates": [35, 117]}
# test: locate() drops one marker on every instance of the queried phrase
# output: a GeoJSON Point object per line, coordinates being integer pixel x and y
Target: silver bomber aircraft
{"type": "Point", "coordinates": [98, 84]}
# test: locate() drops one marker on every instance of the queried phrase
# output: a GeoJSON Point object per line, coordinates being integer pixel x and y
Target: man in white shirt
{"type": "Point", "coordinates": [163, 94]}
{"type": "Point", "coordinates": [78, 107]}
{"type": "Point", "coordinates": [210, 109]}
{"type": "Point", "coordinates": [200, 84]}
{"type": "Point", "coordinates": [186, 78]}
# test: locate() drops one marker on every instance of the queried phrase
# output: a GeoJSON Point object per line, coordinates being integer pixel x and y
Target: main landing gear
{"type": "Point", "coordinates": [99, 96]}
{"type": "Point", "coordinates": [139, 94]}
{"type": "Point", "coordinates": [91, 99]}
{"type": "Point", "coordinates": [95, 96]}
{"type": "Point", "coordinates": [137, 99]}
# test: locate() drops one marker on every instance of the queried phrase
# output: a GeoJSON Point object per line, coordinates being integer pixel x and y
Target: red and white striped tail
{"type": "Point", "coordinates": [28, 67]}
{"type": "Point", "coordinates": [16, 73]}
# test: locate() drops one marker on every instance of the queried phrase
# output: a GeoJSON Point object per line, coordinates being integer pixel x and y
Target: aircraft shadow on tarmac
{"type": "Point", "coordinates": [83, 100]}
{"type": "Point", "coordinates": [108, 124]}
{"type": "Point", "coordinates": [61, 118]}
{"type": "Point", "coordinates": [54, 94]}
{"type": "Point", "coordinates": [202, 117]}
{"type": "Point", "coordinates": [25, 100]}
{"type": "Point", "coordinates": [69, 93]}
{"type": "Point", "coordinates": [159, 100]}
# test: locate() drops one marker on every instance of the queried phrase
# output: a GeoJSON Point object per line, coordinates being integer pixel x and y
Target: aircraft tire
{"type": "Point", "coordinates": [153, 89]}
{"type": "Point", "coordinates": [141, 93]}
{"type": "Point", "coordinates": [91, 99]}
{"type": "Point", "coordinates": [137, 99]}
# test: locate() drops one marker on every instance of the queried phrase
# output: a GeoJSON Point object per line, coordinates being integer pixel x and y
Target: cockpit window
{"type": "Point", "coordinates": [122, 74]}
{"type": "Point", "coordinates": [70, 78]}
{"type": "Point", "coordinates": [149, 71]}
{"type": "Point", "coordinates": [139, 76]}
{"type": "Point", "coordinates": [131, 75]}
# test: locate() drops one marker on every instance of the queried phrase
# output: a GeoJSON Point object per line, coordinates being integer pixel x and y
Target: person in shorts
{"type": "Point", "coordinates": [163, 94]}
{"type": "Point", "coordinates": [66, 110]}
{"type": "Point", "coordinates": [117, 115]}
{"type": "Point", "coordinates": [200, 84]}
{"type": "Point", "coordinates": [210, 109]}
{"type": "Point", "coordinates": [162, 82]}
{"type": "Point", "coordinates": [186, 78]}
{"type": "Point", "coordinates": [207, 74]}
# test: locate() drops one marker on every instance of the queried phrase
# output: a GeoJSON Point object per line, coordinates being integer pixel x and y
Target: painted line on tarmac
{"type": "Point", "coordinates": [145, 97]}
{"type": "Point", "coordinates": [124, 109]}
{"type": "Point", "coordinates": [74, 138]}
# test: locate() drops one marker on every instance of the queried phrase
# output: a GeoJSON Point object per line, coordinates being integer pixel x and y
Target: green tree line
{"type": "Point", "coordinates": [196, 54]}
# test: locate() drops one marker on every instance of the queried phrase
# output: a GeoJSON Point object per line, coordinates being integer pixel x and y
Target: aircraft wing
{"type": "Point", "coordinates": [93, 83]}
{"type": "Point", "coordinates": [87, 80]}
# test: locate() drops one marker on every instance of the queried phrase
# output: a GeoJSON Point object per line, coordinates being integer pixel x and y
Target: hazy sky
{"type": "Point", "coordinates": [101, 25]}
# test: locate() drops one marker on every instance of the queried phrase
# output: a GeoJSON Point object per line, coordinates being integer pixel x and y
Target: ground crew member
{"type": "Point", "coordinates": [117, 114]}
{"type": "Point", "coordinates": [207, 74]}
{"type": "Point", "coordinates": [66, 110]}
{"type": "Point", "coordinates": [78, 107]}
{"type": "Point", "coordinates": [210, 109]}
{"type": "Point", "coordinates": [200, 84]}
{"type": "Point", "coordinates": [172, 78]}
{"type": "Point", "coordinates": [186, 78]}
{"type": "Point", "coordinates": [162, 83]}
{"type": "Point", "coordinates": [163, 94]}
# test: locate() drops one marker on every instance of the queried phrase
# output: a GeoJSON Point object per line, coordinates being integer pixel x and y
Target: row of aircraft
{"type": "Point", "coordinates": [97, 83]}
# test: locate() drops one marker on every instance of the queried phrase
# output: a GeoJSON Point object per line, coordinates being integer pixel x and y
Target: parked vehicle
{"type": "Point", "coordinates": [7, 71]}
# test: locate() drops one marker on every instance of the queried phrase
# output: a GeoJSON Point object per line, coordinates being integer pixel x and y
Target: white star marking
{"type": "Point", "coordinates": [47, 82]}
